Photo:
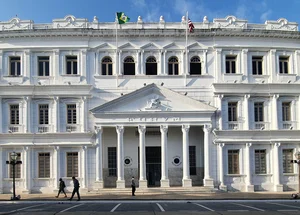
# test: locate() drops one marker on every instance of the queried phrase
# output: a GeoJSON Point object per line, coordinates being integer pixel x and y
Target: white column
{"type": "Point", "coordinates": [27, 114]}
{"type": "Point", "coordinates": [27, 65]}
{"type": "Point", "coordinates": [143, 180]}
{"type": "Point", "coordinates": [56, 71]}
{"type": "Point", "coordinates": [246, 112]}
{"type": "Point", "coordinates": [244, 64]}
{"type": "Point", "coordinates": [120, 157]}
{"type": "Point", "coordinates": [276, 168]}
{"type": "Point", "coordinates": [221, 169]}
{"type": "Point", "coordinates": [83, 68]}
{"type": "Point", "coordinates": [99, 154]}
{"type": "Point", "coordinates": [27, 170]}
{"type": "Point", "coordinates": [218, 65]}
{"type": "Point", "coordinates": [56, 169]}
{"type": "Point", "coordinates": [164, 63]}
{"type": "Point", "coordinates": [220, 118]}
{"type": "Point", "coordinates": [84, 169]}
{"type": "Point", "coordinates": [272, 65]}
{"type": "Point", "coordinates": [83, 114]}
{"type": "Point", "coordinates": [186, 180]}
{"type": "Point", "coordinates": [164, 182]}
{"type": "Point", "coordinates": [1, 114]}
{"type": "Point", "coordinates": [274, 119]}
{"type": "Point", "coordinates": [138, 64]}
{"type": "Point", "coordinates": [204, 67]}
{"type": "Point", "coordinates": [97, 69]}
{"type": "Point", "coordinates": [142, 63]}
{"type": "Point", "coordinates": [56, 115]}
{"type": "Point", "coordinates": [120, 65]}
{"type": "Point", "coordinates": [208, 181]}
{"type": "Point", "coordinates": [248, 172]}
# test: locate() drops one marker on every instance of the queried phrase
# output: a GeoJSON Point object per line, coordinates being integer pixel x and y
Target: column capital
{"type": "Point", "coordinates": [120, 129]}
{"type": "Point", "coordinates": [185, 128]}
{"type": "Point", "coordinates": [245, 51]}
{"type": "Point", "coordinates": [275, 96]}
{"type": "Point", "coordinates": [142, 129]}
{"type": "Point", "coordinates": [56, 51]}
{"type": "Point", "coordinates": [26, 148]}
{"type": "Point", "coordinates": [218, 51]}
{"type": "Point", "coordinates": [56, 148]}
{"type": "Point", "coordinates": [98, 129]}
{"type": "Point", "coordinates": [220, 96]}
{"type": "Point", "coordinates": [83, 98]}
{"type": "Point", "coordinates": [248, 145]}
{"type": "Point", "coordinates": [272, 51]}
{"type": "Point", "coordinates": [277, 144]}
{"type": "Point", "coordinates": [221, 145]}
{"type": "Point", "coordinates": [163, 128]}
{"type": "Point", "coordinates": [84, 148]}
{"type": "Point", "coordinates": [247, 96]}
{"type": "Point", "coordinates": [207, 128]}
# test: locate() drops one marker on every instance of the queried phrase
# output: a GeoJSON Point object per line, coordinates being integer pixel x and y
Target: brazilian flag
{"type": "Point", "coordinates": [122, 18]}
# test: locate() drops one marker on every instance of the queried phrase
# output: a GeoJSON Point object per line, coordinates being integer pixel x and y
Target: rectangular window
{"type": "Point", "coordinates": [44, 165]}
{"type": "Point", "coordinates": [192, 153]}
{"type": "Point", "coordinates": [71, 65]}
{"type": "Point", "coordinates": [72, 164]}
{"type": "Point", "coordinates": [17, 167]}
{"type": "Point", "coordinates": [233, 162]}
{"type": "Point", "coordinates": [283, 65]}
{"type": "Point", "coordinates": [43, 66]}
{"type": "Point", "coordinates": [259, 112]}
{"type": "Point", "coordinates": [232, 111]}
{"type": "Point", "coordinates": [230, 64]}
{"type": "Point", "coordinates": [112, 161]}
{"type": "Point", "coordinates": [43, 114]}
{"type": "Point", "coordinates": [287, 156]}
{"type": "Point", "coordinates": [14, 114]}
{"type": "Point", "coordinates": [260, 162]}
{"type": "Point", "coordinates": [15, 66]}
{"type": "Point", "coordinates": [257, 65]}
{"type": "Point", "coordinates": [286, 111]}
{"type": "Point", "coordinates": [71, 114]}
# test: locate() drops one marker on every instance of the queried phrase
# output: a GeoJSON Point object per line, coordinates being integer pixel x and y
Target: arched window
{"type": "Point", "coordinates": [151, 66]}
{"type": "Point", "coordinates": [173, 66]}
{"type": "Point", "coordinates": [195, 66]}
{"type": "Point", "coordinates": [107, 66]}
{"type": "Point", "coordinates": [129, 66]}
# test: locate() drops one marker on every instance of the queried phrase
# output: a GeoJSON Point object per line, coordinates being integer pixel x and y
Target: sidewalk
{"type": "Point", "coordinates": [194, 193]}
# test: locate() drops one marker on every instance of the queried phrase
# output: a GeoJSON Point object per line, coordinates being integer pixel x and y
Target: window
{"type": "Point", "coordinates": [233, 162]}
{"type": "Point", "coordinates": [230, 64]}
{"type": "Point", "coordinates": [44, 165]}
{"type": "Point", "coordinates": [257, 65]}
{"type": "Point", "coordinates": [107, 66]}
{"type": "Point", "coordinates": [283, 65]}
{"type": "Point", "coordinates": [195, 66]}
{"type": "Point", "coordinates": [14, 114]}
{"type": "Point", "coordinates": [17, 167]}
{"type": "Point", "coordinates": [259, 112]}
{"type": "Point", "coordinates": [192, 153]}
{"type": "Point", "coordinates": [71, 65]}
{"type": "Point", "coordinates": [232, 111]}
{"type": "Point", "coordinates": [112, 161]}
{"type": "Point", "coordinates": [71, 114]}
{"type": "Point", "coordinates": [286, 111]}
{"type": "Point", "coordinates": [15, 66]}
{"type": "Point", "coordinates": [43, 66]}
{"type": "Point", "coordinates": [287, 156]}
{"type": "Point", "coordinates": [173, 66]}
{"type": "Point", "coordinates": [129, 66]}
{"type": "Point", "coordinates": [72, 164]}
{"type": "Point", "coordinates": [260, 162]}
{"type": "Point", "coordinates": [43, 114]}
{"type": "Point", "coordinates": [151, 66]}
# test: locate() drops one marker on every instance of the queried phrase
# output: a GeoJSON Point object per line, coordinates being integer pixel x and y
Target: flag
{"type": "Point", "coordinates": [122, 18]}
{"type": "Point", "coordinates": [191, 26]}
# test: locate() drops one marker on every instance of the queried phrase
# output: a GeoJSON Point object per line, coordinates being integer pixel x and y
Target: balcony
{"type": "Point", "coordinates": [261, 125]}
{"type": "Point", "coordinates": [73, 128]}
{"type": "Point", "coordinates": [44, 128]}
{"type": "Point", "coordinates": [289, 125]}
{"type": "Point", "coordinates": [15, 128]}
{"type": "Point", "coordinates": [233, 125]}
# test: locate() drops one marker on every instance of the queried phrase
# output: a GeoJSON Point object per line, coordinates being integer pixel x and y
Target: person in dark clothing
{"type": "Point", "coordinates": [62, 186]}
{"type": "Point", "coordinates": [132, 186]}
{"type": "Point", "coordinates": [76, 189]}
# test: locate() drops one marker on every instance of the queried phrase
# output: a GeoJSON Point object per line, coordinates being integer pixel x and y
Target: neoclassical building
{"type": "Point", "coordinates": [218, 108]}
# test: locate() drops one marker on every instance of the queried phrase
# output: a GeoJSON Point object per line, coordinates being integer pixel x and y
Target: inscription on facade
{"type": "Point", "coordinates": [154, 119]}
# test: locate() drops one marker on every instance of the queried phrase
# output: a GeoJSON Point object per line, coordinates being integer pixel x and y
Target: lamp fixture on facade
{"type": "Point", "coordinates": [13, 161]}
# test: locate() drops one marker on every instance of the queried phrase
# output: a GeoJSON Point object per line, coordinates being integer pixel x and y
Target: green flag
{"type": "Point", "coordinates": [122, 18]}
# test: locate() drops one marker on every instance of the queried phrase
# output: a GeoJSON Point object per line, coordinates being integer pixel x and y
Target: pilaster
{"type": "Point", "coordinates": [56, 169]}
{"type": "Point", "coordinates": [246, 112]}
{"type": "Point", "coordinates": [248, 173]}
{"type": "Point", "coordinates": [27, 170]}
{"type": "Point", "coordinates": [220, 118]}
{"type": "Point", "coordinates": [84, 170]}
{"type": "Point", "coordinates": [272, 66]}
{"type": "Point", "coordinates": [208, 181]}
{"type": "Point", "coordinates": [56, 70]}
{"type": "Point", "coordinates": [218, 65]}
{"type": "Point", "coordinates": [99, 153]}
{"type": "Point", "coordinates": [84, 114]}
{"type": "Point", "coordinates": [56, 114]}
{"type": "Point", "coordinates": [1, 114]}
{"type": "Point", "coordinates": [274, 112]}
{"type": "Point", "coordinates": [221, 169]}
{"type": "Point", "coordinates": [276, 168]}
{"type": "Point", "coordinates": [83, 70]}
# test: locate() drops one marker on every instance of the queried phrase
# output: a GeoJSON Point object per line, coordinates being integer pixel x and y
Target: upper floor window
{"type": "Point", "coordinates": [258, 111]}
{"type": "Point", "coordinates": [232, 111]}
{"type": "Point", "coordinates": [43, 114]}
{"type": "Point", "coordinates": [286, 111]}
{"type": "Point", "coordinates": [44, 165]}
{"type": "Point", "coordinates": [230, 64]}
{"type": "Point", "coordinates": [72, 164]}
{"type": "Point", "coordinates": [173, 66]}
{"type": "Point", "coordinates": [107, 66]}
{"type": "Point", "coordinates": [151, 66]}
{"type": "Point", "coordinates": [15, 66]}
{"type": "Point", "coordinates": [71, 114]}
{"type": "Point", "coordinates": [233, 162]}
{"type": "Point", "coordinates": [260, 162]}
{"type": "Point", "coordinates": [17, 167]}
{"type": "Point", "coordinates": [257, 65]}
{"type": "Point", "coordinates": [14, 114]}
{"type": "Point", "coordinates": [283, 65]}
{"type": "Point", "coordinates": [195, 66]}
{"type": "Point", "coordinates": [71, 65]}
{"type": "Point", "coordinates": [129, 66]}
{"type": "Point", "coordinates": [43, 66]}
{"type": "Point", "coordinates": [287, 156]}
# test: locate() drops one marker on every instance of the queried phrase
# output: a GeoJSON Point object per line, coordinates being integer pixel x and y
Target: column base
{"type": "Point", "coordinates": [250, 188]}
{"type": "Point", "coordinates": [164, 183]}
{"type": "Point", "coordinates": [143, 184]}
{"type": "Point", "coordinates": [223, 187]}
{"type": "Point", "coordinates": [99, 184]}
{"type": "Point", "coordinates": [120, 183]}
{"type": "Point", "coordinates": [208, 182]}
{"type": "Point", "coordinates": [186, 182]}
{"type": "Point", "coordinates": [279, 188]}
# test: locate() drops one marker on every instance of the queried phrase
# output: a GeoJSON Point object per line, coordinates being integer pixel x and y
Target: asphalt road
{"type": "Point", "coordinates": [134, 207]}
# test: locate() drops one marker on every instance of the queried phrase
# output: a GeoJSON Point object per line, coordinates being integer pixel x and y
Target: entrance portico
{"type": "Point", "coordinates": [173, 116]}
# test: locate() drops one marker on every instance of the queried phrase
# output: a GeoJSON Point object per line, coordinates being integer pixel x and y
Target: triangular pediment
{"type": "Point", "coordinates": [105, 46]}
{"type": "Point", "coordinates": [173, 46]}
{"type": "Point", "coordinates": [150, 46]}
{"type": "Point", "coordinates": [127, 46]}
{"type": "Point", "coordinates": [153, 98]}
{"type": "Point", "coordinates": [196, 46]}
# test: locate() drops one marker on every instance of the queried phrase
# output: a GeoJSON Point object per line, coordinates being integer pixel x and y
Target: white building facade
{"type": "Point", "coordinates": [219, 109]}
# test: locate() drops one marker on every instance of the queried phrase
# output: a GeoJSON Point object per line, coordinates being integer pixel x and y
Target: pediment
{"type": "Point", "coordinates": [153, 99]}
{"type": "Point", "coordinates": [127, 46]}
{"type": "Point", "coordinates": [173, 46]}
{"type": "Point", "coordinates": [105, 46]}
{"type": "Point", "coordinates": [196, 46]}
{"type": "Point", "coordinates": [150, 46]}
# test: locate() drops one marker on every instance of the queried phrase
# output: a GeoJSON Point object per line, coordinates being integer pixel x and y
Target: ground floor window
{"type": "Point", "coordinates": [287, 156]}
{"type": "Point", "coordinates": [112, 161]}
{"type": "Point", "coordinates": [72, 164]}
{"type": "Point", "coordinates": [260, 162]}
{"type": "Point", "coordinates": [17, 167]}
{"type": "Point", "coordinates": [233, 162]}
{"type": "Point", "coordinates": [44, 165]}
{"type": "Point", "coordinates": [192, 152]}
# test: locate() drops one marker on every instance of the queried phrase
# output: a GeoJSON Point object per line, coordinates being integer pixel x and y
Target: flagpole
{"type": "Point", "coordinates": [117, 54]}
{"type": "Point", "coordinates": [186, 54]}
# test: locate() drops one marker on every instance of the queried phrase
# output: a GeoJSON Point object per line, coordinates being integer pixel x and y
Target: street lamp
{"type": "Point", "coordinates": [13, 161]}
{"type": "Point", "coordinates": [297, 155]}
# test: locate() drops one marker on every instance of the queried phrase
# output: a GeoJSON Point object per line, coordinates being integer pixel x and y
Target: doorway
{"type": "Point", "coordinates": [153, 166]}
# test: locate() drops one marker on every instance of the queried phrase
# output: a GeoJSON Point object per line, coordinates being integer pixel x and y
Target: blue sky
{"type": "Point", "coordinates": [255, 11]}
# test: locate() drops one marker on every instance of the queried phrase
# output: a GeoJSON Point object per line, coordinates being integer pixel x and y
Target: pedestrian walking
{"type": "Point", "coordinates": [62, 186]}
{"type": "Point", "coordinates": [132, 186]}
{"type": "Point", "coordinates": [76, 189]}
